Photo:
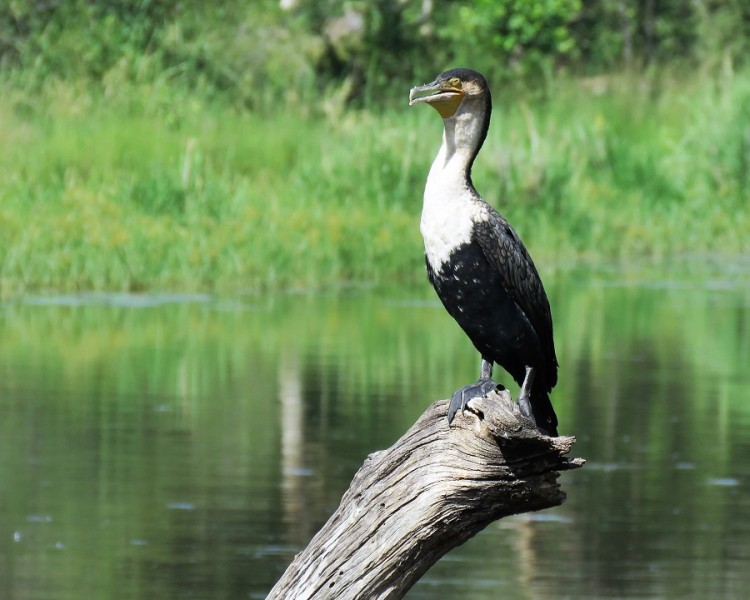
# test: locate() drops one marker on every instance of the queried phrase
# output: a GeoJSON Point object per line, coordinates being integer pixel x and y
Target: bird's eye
{"type": "Point", "coordinates": [455, 82]}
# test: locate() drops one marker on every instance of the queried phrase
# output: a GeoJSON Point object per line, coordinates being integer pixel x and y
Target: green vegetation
{"type": "Point", "coordinates": [153, 146]}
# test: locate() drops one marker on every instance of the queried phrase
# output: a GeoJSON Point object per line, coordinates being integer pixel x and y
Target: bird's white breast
{"type": "Point", "coordinates": [448, 215]}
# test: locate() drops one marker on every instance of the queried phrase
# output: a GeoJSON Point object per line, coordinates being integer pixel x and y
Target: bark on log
{"type": "Point", "coordinates": [431, 491]}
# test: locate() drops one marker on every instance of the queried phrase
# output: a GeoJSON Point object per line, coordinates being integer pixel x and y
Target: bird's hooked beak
{"type": "Point", "coordinates": [444, 96]}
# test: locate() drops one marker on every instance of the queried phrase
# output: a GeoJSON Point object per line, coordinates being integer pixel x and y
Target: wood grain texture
{"type": "Point", "coordinates": [432, 490]}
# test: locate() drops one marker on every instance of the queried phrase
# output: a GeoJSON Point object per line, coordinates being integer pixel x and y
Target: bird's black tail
{"type": "Point", "coordinates": [544, 414]}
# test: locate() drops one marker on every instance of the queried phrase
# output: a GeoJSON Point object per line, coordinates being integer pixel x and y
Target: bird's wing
{"type": "Point", "coordinates": [507, 254]}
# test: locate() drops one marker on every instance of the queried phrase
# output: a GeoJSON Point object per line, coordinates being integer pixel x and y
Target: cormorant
{"type": "Point", "coordinates": [476, 262]}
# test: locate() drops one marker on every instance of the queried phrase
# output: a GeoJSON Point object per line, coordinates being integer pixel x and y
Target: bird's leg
{"type": "Point", "coordinates": [483, 386]}
{"type": "Point", "coordinates": [486, 372]}
{"type": "Point", "coordinates": [524, 395]}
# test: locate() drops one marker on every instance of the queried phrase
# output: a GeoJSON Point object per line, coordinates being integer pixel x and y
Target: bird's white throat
{"type": "Point", "coordinates": [451, 205]}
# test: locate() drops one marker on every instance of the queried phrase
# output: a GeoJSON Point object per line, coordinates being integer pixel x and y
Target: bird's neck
{"type": "Point", "coordinates": [463, 136]}
{"type": "Point", "coordinates": [451, 204]}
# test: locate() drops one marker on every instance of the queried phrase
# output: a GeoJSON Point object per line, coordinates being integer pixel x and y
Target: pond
{"type": "Point", "coordinates": [174, 446]}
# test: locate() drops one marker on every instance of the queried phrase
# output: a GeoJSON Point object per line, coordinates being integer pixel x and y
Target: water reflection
{"type": "Point", "coordinates": [168, 447]}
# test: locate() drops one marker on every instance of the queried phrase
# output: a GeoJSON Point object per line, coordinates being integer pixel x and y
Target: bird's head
{"type": "Point", "coordinates": [450, 90]}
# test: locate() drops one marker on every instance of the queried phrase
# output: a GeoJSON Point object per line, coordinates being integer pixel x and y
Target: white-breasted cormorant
{"type": "Point", "coordinates": [478, 265]}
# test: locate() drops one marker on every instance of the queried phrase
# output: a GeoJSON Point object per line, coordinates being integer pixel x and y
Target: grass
{"type": "Point", "coordinates": [109, 192]}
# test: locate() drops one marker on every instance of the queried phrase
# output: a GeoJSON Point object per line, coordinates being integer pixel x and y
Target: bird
{"type": "Point", "coordinates": [477, 263]}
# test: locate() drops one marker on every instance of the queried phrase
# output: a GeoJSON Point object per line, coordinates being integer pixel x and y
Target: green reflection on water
{"type": "Point", "coordinates": [168, 447]}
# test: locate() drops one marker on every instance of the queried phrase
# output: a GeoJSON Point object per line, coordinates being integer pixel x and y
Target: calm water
{"type": "Point", "coordinates": [170, 447]}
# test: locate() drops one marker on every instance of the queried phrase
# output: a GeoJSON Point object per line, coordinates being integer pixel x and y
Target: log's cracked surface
{"type": "Point", "coordinates": [436, 487]}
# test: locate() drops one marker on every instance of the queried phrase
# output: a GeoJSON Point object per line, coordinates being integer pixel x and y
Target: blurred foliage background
{"type": "Point", "coordinates": [250, 52]}
{"type": "Point", "coordinates": [180, 144]}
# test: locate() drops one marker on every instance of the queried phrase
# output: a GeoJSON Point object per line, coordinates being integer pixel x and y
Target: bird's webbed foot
{"type": "Point", "coordinates": [461, 397]}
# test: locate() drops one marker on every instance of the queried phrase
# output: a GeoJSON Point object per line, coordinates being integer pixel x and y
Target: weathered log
{"type": "Point", "coordinates": [431, 491]}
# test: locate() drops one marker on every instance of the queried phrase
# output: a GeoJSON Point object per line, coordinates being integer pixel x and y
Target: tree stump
{"type": "Point", "coordinates": [431, 491]}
